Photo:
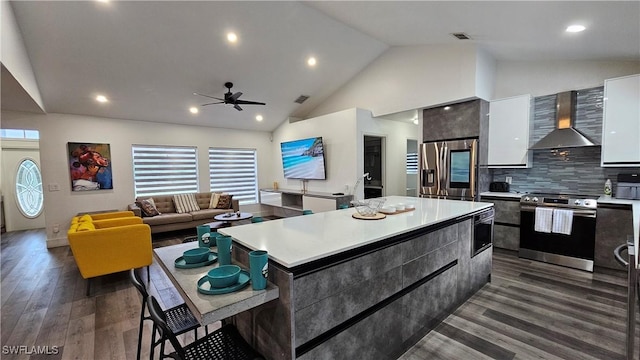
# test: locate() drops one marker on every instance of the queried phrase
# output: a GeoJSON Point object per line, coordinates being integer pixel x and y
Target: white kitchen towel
{"type": "Point", "coordinates": [562, 221]}
{"type": "Point", "coordinates": [543, 219]}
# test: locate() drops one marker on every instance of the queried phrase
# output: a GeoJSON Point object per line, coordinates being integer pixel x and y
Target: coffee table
{"type": "Point", "coordinates": [233, 217]}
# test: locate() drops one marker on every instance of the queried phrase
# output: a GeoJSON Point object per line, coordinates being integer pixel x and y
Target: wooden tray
{"type": "Point", "coordinates": [400, 211]}
{"type": "Point", "coordinates": [378, 216]}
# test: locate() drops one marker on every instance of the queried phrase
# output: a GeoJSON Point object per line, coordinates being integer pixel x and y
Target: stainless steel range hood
{"type": "Point", "coordinates": [564, 136]}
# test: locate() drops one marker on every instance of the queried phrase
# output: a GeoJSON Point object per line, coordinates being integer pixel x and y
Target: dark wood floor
{"type": "Point", "coordinates": [530, 310]}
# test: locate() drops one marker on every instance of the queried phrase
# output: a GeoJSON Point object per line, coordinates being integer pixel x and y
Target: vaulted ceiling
{"type": "Point", "coordinates": [149, 57]}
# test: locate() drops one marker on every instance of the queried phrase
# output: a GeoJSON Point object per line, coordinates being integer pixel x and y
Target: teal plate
{"type": "Point", "coordinates": [182, 264]}
{"type": "Point", "coordinates": [205, 288]}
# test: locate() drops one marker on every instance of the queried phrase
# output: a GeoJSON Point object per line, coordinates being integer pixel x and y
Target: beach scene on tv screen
{"type": "Point", "coordinates": [303, 159]}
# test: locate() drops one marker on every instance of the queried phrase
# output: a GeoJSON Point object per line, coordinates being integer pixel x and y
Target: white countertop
{"type": "Point", "coordinates": [301, 239]}
{"type": "Point", "coordinates": [635, 206]}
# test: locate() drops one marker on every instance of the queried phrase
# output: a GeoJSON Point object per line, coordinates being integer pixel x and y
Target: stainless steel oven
{"type": "Point", "coordinates": [573, 248]}
{"type": "Point", "coordinates": [482, 231]}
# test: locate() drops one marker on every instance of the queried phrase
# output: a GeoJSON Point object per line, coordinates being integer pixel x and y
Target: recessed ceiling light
{"type": "Point", "coordinates": [259, 117]}
{"type": "Point", "coordinates": [194, 110]}
{"type": "Point", "coordinates": [447, 107]}
{"type": "Point", "coordinates": [232, 37]}
{"type": "Point", "coordinates": [311, 61]}
{"type": "Point", "coordinates": [102, 99]}
{"type": "Point", "coordinates": [103, 1]}
{"type": "Point", "coordinates": [415, 121]}
{"type": "Point", "coordinates": [575, 28]}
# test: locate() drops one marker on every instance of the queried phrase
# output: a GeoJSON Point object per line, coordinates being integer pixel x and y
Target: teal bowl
{"type": "Point", "coordinates": [223, 276]}
{"type": "Point", "coordinates": [197, 255]}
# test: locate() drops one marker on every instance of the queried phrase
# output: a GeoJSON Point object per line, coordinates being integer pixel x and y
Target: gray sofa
{"type": "Point", "coordinates": [170, 220]}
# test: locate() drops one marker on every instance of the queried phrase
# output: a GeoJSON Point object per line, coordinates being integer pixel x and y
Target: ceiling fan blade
{"type": "Point", "coordinates": [213, 103]}
{"type": "Point", "coordinates": [234, 97]}
{"type": "Point", "coordinates": [211, 97]}
{"type": "Point", "coordinates": [235, 106]}
{"type": "Point", "coordinates": [247, 102]}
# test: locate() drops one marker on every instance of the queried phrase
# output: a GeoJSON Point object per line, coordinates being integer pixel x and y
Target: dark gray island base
{"type": "Point", "coordinates": [373, 302]}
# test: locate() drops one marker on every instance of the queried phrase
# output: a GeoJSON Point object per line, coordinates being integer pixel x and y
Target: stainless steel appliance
{"type": "Point", "coordinates": [482, 231]}
{"type": "Point", "coordinates": [628, 187]}
{"type": "Point", "coordinates": [575, 249]}
{"type": "Point", "coordinates": [448, 169]}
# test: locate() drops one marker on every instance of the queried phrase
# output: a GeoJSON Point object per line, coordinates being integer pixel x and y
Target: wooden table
{"type": "Point", "coordinates": [209, 308]}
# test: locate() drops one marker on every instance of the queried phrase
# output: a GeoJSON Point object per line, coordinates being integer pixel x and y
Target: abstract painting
{"type": "Point", "coordinates": [90, 166]}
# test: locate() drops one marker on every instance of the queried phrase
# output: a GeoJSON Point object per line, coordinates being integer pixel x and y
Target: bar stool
{"type": "Point", "coordinates": [179, 318]}
{"type": "Point", "coordinates": [225, 343]}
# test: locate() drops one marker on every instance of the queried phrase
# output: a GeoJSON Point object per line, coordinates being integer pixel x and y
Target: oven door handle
{"type": "Point", "coordinates": [617, 255]}
{"type": "Point", "coordinates": [581, 213]}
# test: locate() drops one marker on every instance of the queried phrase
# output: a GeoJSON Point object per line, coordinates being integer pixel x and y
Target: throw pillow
{"type": "Point", "coordinates": [224, 202]}
{"type": "Point", "coordinates": [185, 203]}
{"type": "Point", "coordinates": [86, 226]}
{"type": "Point", "coordinates": [148, 207]}
{"type": "Point", "coordinates": [215, 197]}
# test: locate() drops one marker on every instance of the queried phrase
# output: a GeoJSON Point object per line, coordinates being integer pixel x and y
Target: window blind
{"type": "Point", "coordinates": [234, 171]}
{"type": "Point", "coordinates": [412, 163]}
{"type": "Point", "coordinates": [163, 170]}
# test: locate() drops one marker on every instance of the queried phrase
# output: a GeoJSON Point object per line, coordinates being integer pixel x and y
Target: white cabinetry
{"type": "Point", "coordinates": [297, 200]}
{"type": "Point", "coordinates": [271, 198]}
{"type": "Point", "coordinates": [318, 204]}
{"type": "Point", "coordinates": [621, 122]}
{"type": "Point", "coordinates": [509, 127]}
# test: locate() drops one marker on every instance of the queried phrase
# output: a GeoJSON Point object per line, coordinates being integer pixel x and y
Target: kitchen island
{"type": "Point", "coordinates": [353, 288]}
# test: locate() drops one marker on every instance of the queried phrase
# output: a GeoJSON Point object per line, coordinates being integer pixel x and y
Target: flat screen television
{"type": "Point", "coordinates": [303, 159]}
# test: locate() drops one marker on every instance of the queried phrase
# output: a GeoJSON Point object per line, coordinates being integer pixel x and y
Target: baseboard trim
{"type": "Point", "coordinates": [58, 242]}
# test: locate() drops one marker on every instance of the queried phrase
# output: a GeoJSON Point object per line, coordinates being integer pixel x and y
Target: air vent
{"type": "Point", "coordinates": [301, 99]}
{"type": "Point", "coordinates": [461, 36]}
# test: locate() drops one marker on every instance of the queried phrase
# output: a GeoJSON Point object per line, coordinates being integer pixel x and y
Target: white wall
{"type": "Point", "coordinates": [410, 77]}
{"type": "Point", "coordinates": [396, 134]}
{"type": "Point", "coordinates": [338, 131]}
{"type": "Point", "coordinates": [544, 78]}
{"type": "Point", "coordinates": [14, 55]}
{"type": "Point", "coordinates": [58, 129]}
{"type": "Point", "coordinates": [343, 135]}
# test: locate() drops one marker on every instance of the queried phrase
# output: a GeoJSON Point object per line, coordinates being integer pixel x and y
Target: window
{"type": "Point", "coordinates": [161, 170]}
{"type": "Point", "coordinates": [234, 171]}
{"type": "Point", "coordinates": [412, 163]}
{"type": "Point", "coordinates": [29, 189]}
{"type": "Point", "coordinates": [19, 134]}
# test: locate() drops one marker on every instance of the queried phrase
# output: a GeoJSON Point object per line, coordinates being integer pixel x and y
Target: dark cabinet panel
{"type": "Point", "coordinates": [612, 228]}
{"type": "Point", "coordinates": [461, 120]}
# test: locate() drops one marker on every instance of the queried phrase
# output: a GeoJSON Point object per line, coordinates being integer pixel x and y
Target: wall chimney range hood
{"type": "Point", "coordinates": [564, 135]}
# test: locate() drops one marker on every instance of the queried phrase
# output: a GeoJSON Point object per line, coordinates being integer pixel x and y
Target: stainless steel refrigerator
{"type": "Point", "coordinates": [448, 169]}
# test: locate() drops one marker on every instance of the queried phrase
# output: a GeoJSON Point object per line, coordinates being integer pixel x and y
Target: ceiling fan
{"type": "Point", "coordinates": [230, 98]}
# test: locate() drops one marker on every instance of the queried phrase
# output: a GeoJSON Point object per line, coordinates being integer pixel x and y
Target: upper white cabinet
{"type": "Point", "coordinates": [509, 127]}
{"type": "Point", "coordinates": [621, 122]}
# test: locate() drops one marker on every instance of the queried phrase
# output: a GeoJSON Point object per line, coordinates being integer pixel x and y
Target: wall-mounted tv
{"type": "Point", "coordinates": [303, 159]}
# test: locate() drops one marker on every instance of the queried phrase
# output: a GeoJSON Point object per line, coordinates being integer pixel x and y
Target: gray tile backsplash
{"type": "Point", "coordinates": [580, 171]}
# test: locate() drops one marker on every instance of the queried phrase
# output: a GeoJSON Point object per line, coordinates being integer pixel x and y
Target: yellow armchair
{"type": "Point", "coordinates": [110, 245]}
